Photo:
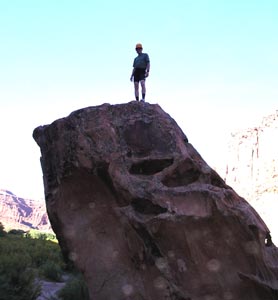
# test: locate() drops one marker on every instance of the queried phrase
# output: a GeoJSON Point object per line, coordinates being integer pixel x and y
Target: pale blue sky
{"type": "Point", "coordinates": [214, 68]}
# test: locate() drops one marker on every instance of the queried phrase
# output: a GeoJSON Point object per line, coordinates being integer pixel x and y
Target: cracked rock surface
{"type": "Point", "coordinates": [144, 217]}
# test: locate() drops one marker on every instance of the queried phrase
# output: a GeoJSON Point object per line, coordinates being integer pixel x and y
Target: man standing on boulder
{"type": "Point", "coordinates": [141, 69]}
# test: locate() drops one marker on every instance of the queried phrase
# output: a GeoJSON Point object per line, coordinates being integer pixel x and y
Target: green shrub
{"type": "Point", "coordinates": [2, 230]}
{"type": "Point", "coordinates": [24, 259]}
{"type": "Point", "coordinates": [17, 232]}
{"type": "Point", "coordinates": [36, 234]}
{"type": "Point", "coordinates": [21, 260]}
{"type": "Point", "coordinates": [50, 270]}
{"type": "Point", "coordinates": [43, 251]}
{"type": "Point", "coordinates": [75, 289]}
{"type": "Point", "coordinates": [17, 279]}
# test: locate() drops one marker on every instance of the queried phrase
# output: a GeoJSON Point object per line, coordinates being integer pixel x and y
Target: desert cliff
{"type": "Point", "coordinates": [252, 168]}
{"type": "Point", "coordinates": [20, 213]}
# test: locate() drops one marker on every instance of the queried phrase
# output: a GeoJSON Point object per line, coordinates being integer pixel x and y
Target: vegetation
{"type": "Point", "coordinates": [2, 230]}
{"type": "Point", "coordinates": [51, 271]}
{"type": "Point", "coordinates": [17, 279]}
{"type": "Point", "coordinates": [75, 289]}
{"type": "Point", "coordinates": [27, 257]}
{"type": "Point", "coordinates": [46, 236]}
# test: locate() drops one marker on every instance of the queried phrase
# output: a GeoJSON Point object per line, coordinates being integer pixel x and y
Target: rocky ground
{"type": "Point", "coordinates": [50, 288]}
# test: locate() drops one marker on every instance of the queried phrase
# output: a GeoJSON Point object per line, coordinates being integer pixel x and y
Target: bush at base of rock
{"type": "Point", "coordinates": [51, 271]}
{"type": "Point", "coordinates": [75, 289]}
{"type": "Point", "coordinates": [22, 260]}
{"type": "Point", "coordinates": [17, 280]}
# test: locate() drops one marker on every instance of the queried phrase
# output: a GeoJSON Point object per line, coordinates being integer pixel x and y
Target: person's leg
{"type": "Point", "coordinates": [136, 90]}
{"type": "Point", "coordinates": [143, 86]}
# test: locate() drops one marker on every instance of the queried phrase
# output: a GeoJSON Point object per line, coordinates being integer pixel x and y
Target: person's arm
{"type": "Point", "coordinates": [148, 69]}
{"type": "Point", "coordinates": [148, 65]}
{"type": "Point", "coordinates": [132, 74]}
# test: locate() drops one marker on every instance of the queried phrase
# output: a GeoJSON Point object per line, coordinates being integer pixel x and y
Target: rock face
{"type": "Point", "coordinates": [253, 162]}
{"type": "Point", "coordinates": [20, 213]}
{"type": "Point", "coordinates": [252, 168]}
{"type": "Point", "coordinates": [140, 212]}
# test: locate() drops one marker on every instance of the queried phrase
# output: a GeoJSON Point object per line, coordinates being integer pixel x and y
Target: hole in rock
{"type": "Point", "coordinates": [183, 175]}
{"type": "Point", "coordinates": [151, 166]}
{"type": "Point", "coordinates": [103, 174]}
{"type": "Point", "coordinates": [268, 240]}
{"type": "Point", "coordinates": [142, 138]}
{"type": "Point", "coordinates": [145, 206]}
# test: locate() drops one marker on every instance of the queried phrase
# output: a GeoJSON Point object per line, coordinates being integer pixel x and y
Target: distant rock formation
{"type": "Point", "coordinates": [252, 168]}
{"type": "Point", "coordinates": [143, 216]}
{"type": "Point", "coordinates": [20, 213]}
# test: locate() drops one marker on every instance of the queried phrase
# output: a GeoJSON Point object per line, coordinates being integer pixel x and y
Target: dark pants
{"type": "Point", "coordinates": [139, 74]}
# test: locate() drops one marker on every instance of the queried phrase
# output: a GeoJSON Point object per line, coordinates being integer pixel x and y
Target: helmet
{"type": "Point", "coordinates": [138, 46]}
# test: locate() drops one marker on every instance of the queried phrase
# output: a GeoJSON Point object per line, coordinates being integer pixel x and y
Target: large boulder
{"type": "Point", "coordinates": [143, 216]}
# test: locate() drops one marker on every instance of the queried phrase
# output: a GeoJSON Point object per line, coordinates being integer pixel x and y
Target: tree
{"type": "Point", "coordinates": [2, 230]}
